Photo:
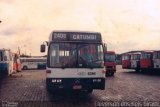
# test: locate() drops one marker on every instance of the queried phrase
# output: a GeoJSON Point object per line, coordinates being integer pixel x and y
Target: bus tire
{"type": "Point", "coordinates": [25, 67]}
{"type": "Point", "coordinates": [110, 74]}
{"type": "Point", "coordinates": [137, 70]}
{"type": "Point", "coordinates": [6, 73]}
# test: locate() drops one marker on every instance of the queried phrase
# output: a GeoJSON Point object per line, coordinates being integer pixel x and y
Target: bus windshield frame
{"type": "Point", "coordinates": [75, 57]}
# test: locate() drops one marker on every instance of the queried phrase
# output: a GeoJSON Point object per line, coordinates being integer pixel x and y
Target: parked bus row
{"type": "Point", "coordinates": [12, 62]}
{"type": "Point", "coordinates": [141, 61]}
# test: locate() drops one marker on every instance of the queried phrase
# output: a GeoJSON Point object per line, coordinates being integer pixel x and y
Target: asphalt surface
{"type": "Point", "coordinates": [27, 89]}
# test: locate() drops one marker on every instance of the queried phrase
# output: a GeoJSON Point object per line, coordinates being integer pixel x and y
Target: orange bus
{"type": "Point", "coordinates": [110, 63]}
{"type": "Point", "coordinates": [16, 63]}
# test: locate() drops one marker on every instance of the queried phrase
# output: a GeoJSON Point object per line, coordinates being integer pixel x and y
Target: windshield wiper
{"type": "Point", "coordinates": [90, 66]}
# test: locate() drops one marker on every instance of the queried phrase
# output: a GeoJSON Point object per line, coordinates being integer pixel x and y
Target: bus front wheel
{"type": "Point", "coordinates": [137, 70]}
{"type": "Point", "coordinates": [25, 67]}
{"type": "Point", "coordinates": [110, 74]}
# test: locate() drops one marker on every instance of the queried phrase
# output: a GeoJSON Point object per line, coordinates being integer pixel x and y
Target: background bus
{"type": "Point", "coordinates": [16, 62]}
{"type": "Point", "coordinates": [33, 63]}
{"type": "Point", "coordinates": [110, 62]}
{"type": "Point", "coordinates": [75, 61]}
{"type": "Point", "coordinates": [6, 62]}
{"type": "Point", "coordinates": [156, 60]}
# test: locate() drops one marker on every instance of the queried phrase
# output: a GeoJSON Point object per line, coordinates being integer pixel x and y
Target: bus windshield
{"type": "Point", "coordinates": [109, 57]}
{"type": "Point", "coordinates": [156, 55]}
{"type": "Point", "coordinates": [146, 56]}
{"type": "Point", "coordinates": [135, 57]}
{"type": "Point", "coordinates": [73, 55]}
{"type": "Point", "coordinates": [126, 57]}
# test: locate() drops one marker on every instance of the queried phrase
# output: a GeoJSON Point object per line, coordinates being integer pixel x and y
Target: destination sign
{"type": "Point", "coordinates": [76, 36]}
{"type": "Point", "coordinates": [59, 36]}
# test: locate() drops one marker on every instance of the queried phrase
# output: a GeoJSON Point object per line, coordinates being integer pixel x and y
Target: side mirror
{"type": "Point", "coordinates": [105, 47]}
{"type": "Point", "coordinates": [47, 43]}
{"type": "Point", "coordinates": [43, 48]}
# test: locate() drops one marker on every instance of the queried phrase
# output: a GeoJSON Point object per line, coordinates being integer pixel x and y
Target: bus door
{"type": "Point", "coordinates": [135, 62]}
{"type": "Point", "coordinates": [11, 62]}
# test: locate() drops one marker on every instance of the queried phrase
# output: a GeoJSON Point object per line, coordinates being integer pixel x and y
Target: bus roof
{"type": "Point", "coordinates": [4, 49]}
{"type": "Point", "coordinates": [136, 53]}
{"type": "Point", "coordinates": [148, 51]}
{"type": "Point", "coordinates": [110, 52]}
{"type": "Point", "coordinates": [74, 31]}
{"type": "Point", "coordinates": [75, 36]}
{"type": "Point", "coordinates": [157, 51]}
{"type": "Point", "coordinates": [124, 54]}
{"type": "Point", "coordinates": [32, 58]}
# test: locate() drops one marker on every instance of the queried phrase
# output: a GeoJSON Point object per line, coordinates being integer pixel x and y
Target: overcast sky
{"type": "Point", "coordinates": [124, 24]}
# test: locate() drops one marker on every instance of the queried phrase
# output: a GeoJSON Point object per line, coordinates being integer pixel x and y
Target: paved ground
{"type": "Point", "coordinates": [27, 89]}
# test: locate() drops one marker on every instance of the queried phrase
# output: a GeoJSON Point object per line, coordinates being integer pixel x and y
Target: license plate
{"type": "Point", "coordinates": [77, 87]}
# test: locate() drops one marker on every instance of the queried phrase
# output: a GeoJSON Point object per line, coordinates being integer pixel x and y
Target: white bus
{"type": "Point", "coordinates": [75, 61]}
{"type": "Point", "coordinates": [33, 63]}
{"type": "Point", "coordinates": [156, 60]}
{"type": "Point", "coordinates": [6, 62]}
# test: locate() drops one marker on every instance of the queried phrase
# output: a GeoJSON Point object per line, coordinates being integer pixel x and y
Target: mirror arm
{"type": "Point", "coordinates": [45, 42]}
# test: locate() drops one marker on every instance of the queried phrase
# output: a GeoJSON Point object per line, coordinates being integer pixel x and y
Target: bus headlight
{"type": "Point", "coordinates": [56, 80]}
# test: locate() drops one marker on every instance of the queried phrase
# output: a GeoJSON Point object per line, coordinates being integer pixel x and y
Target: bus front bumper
{"type": "Point", "coordinates": [75, 83]}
